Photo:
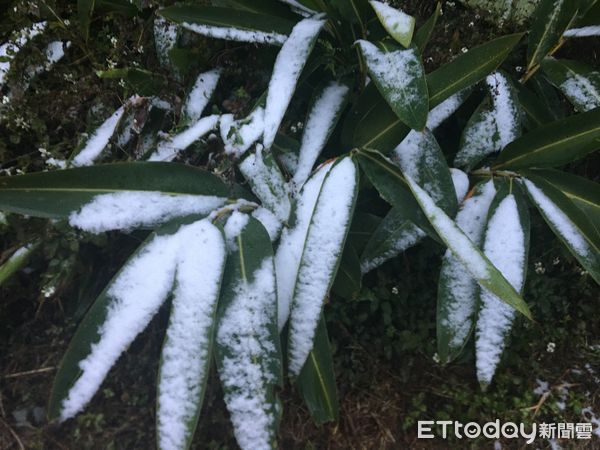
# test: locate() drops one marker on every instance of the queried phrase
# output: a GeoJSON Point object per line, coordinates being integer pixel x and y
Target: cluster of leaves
{"type": "Point", "coordinates": [249, 271]}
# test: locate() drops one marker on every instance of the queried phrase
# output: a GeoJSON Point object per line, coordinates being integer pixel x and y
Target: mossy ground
{"type": "Point", "coordinates": [384, 341]}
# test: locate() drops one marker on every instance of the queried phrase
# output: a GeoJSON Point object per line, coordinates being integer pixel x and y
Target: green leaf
{"type": "Point", "coordinates": [187, 348]}
{"type": "Point", "coordinates": [551, 20]}
{"type": "Point", "coordinates": [554, 144]}
{"type": "Point", "coordinates": [247, 349]}
{"type": "Point", "coordinates": [474, 261]}
{"type": "Point", "coordinates": [537, 114]}
{"type": "Point", "coordinates": [547, 95]}
{"type": "Point", "coordinates": [389, 181]}
{"type": "Point", "coordinates": [457, 289]}
{"type": "Point", "coordinates": [371, 123]}
{"type": "Point", "coordinates": [348, 280]}
{"type": "Point", "coordinates": [127, 305]}
{"type": "Point", "coordinates": [58, 193]}
{"type": "Point", "coordinates": [394, 235]}
{"type": "Point", "coordinates": [400, 78]}
{"type": "Point", "coordinates": [85, 9]}
{"type": "Point", "coordinates": [568, 222]}
{"type": "Point", "coordinates": [270, 28]}
{"type": "Point", "coordinates": [315, 244]}
{"type": "Point", "coordinates": [582, 192]}
{"type": "Point", "coordinates": [17, 260]}
{"type": "Point", "coordinates": [264, 7]}
{"type": "Point", "coordinates": [123, 7]}
{"type": "Point", "coordinates": [316, 381]}
{"type": "Point", "coordinates": [575, 80]}
{"type": "Point", "coordinates": [420, 156]}
{"type": "Point", "coordinates": [354, 11]}
{"type": "Point", "coordinates": [397, 23]}
{"type": "Point", "coordinates": [425, 31]}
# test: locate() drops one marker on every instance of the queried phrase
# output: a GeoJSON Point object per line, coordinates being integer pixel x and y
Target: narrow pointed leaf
{"type": "Point", "coordinates": [316, 381]}
{"type": "Point", "coordinates": [395, 234]}
{"type": "Point", "coordinates": [58, 193]}
{"type": "Point", "coordinates": [425, 31]}
{"type": "Point", "coordinates": [457, 289]}
{"type": "Point", "coordinates": [329, 222]}
{"type": "Point", "coordinates": [265, 7]}
{"type": "Point", "coordinates": [467, 252]}
{"type": "Point", "coordinates": [239, 135]}
{"type": "Point", "coordinates": [506, 244]}
{"type": "Point", "coordinates": [554, 144]}
{"type": "Point", "coordinates": [537, 113]}
{"type": "Point", "coordinates": [267, 182]}
{"type": "Point", "coordinates": [247, 346]}
{"type": "Point", "coordinates": [420, 156]}
{"type": "Point", "coordinates": [576, 81]}
{"type": "Point", "coordinates": [568, 222]}
{"type": "Point", "coordinates": [200, 94]}
{"type": "Point", "coordinates": [230, 24]}
{"type": "Point", "coordinates": [289, 63]}
{"type": "Point", "coordinates": [552, 18]}
{"type": "Point", "coordinates": [348, 280]}
{"type": "Point", "coordinates": [400, 78]}
{"type": "Point", "coordinates": [119, 314]}
{"type": "Point", "coordinates": [17, 260]}
{"type": "Point", "coordinates": [187, 349]}
{"type": "Point", "coordinates": [397, 23]}
{"type": "Point", "coordinates": [85, 9]}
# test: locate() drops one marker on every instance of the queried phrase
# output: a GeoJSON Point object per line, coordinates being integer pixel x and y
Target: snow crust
{"type": "Point", "coordinates": [127, 210]}
{"type": "Point", "coordinates": [169, 149]}
{"type": "Point", "coordinates": [582, 90]}
{"type": "Point", "coordinates": [395, 21]}
{"type": "Point", "coordinates": [288, 66]}
{"type": "Point", "coordinates": [199, 96]}
{"type": "Point", "coordinates": [583, 32]}
{"type": "Point", "coordinates": [239, 135]}
{"type": "Point", "coordinates": [9, 49]}
{"type": "Point", "coordinates": [461, 183]}
{"type": "Point", "coordinates": [99, 140]}
{"type": "Point", "coordinates": [236, 34]}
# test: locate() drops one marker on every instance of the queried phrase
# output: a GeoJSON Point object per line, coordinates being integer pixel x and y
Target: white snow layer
{"type": "Point", "coordinates": [271, 223]}
{"type": "Point", "coordinates": [135, 296]}
{"type": "Point", "coordinates": [198, 98]}
{"type": "Point", "coordinates": [236, 34]}
{"type": "Point", "coordinates": [505, 247]}
{"type": "Point", "coordinates": [286, 71]}
{"type": "Point", "coordinates": [461, 183]}
{"type": "Point", "coordinates": [267, 184]}
{"type": "Point", "coordinates": [582, 90]}
{"type": "Point", "coordinates": [322, 249]}
{"type": "Point", "coordinates": [291, 245]}
{"type": "Point", "coordinates": [245, 375]}
{"type": "Point", "coordinates": [165, 38]}
{"type": "Point", "coordinates": [593, 30]}
{"type": "Point", "coordinates": [319, 124]}
{"type": "Point", "coordinates": [506, 112]}
{"type": "Point", "coordinates": [445, 109]}
{"type": "Point", "coordinates": [460, 245]}
{"type": "Point", "coordinates": [459, 286]}
{"type": "Point", "coordinates": [395, 21]}
{"type": "Point", "coordinates": [9, 49]}
{"type": "Point", "coordinates": [127, 210]}
{"type": "Point", "coordinates": [99, 140]}
{"type": "Point", "coordinates": [186, 353]}
{"type": "Point", "coordinates": [168, 149]}
{"type": "Point", "coordinates": [394, 71]}
{"type": "Point", "coordinates": [234, 226]}
{"type": "Point", "coordinates": [564, 226]}
{"type": "Point", "coordinates": [239, 135]}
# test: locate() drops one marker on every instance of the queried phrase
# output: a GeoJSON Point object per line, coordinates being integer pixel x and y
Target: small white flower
{"type": "Point", "coordinates": [551, 347]}
{"type": "Point", "coordinates": [395, 290]}
{"type": "Point", "coordinates": [539, 268]}
{"type": "Point", "coordinates": [436, 358]}
{"type": "Point", "coordinates": [556, 261]}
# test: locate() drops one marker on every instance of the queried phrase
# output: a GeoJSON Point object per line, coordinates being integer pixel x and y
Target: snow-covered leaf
{"type": "Point", "coordinates": [267, 182]}
{"type": "Point", "coordinates": [552, 17]}
{"type": "Point", "coordinates": [395, 21]}
{"type": "Point", "coordinates": [289, 63]}
{"type": "Point", "coordinates": [420, 157]}
{"type": "Point", "coordinates": [461, 183]}
{"type": "Point", "coordinates": [300, 7]}
{"type": "Point", "coordinates": [474, 261]}
{"type": "Point", "coordinates": [247, 347]}
{"type": "Point", "coordinates": [576, 81]}
{"type": "Point", "coordinates": [316, 381]}
{"type": "Point", "coordinates": [57, 194]}
{"type": "Point", "coordinates": [17, 260]}
{"type": "Point", "coordinates": [125, 308]}
{"type": "Point", "coordinates": [441, 112]}
{"type": "Point", "coordinates": [395, 234]}
{"type": "Point", "coordinates": [9, 49]}
{"type": "Point", "coordinates": [316, 243]}
{"type": "Point", "coordinates": [568, 222]}
{"type": "Point", "coordinates": [321, 121]}
{"type": "Point", "coordinates": [400, 78]}
{"type": "Point", "coordinates": [230, 24]}
{"type": "Point", "coordinates": [554, 144]}
{"type": "Point", "coordinates": [200, 94]}
{"type": "Point", "coordinates": [457, 289]}
{"type": "Point", "coordinates": [506, 244]}
{"type": "Point", "coordinates": [495, 124]}
{"type": "Point", "coordinates": [168, 149]}
{"type": "Point", "coordinates": [239, 135]}
{"type": "Point", "coordinates": [583, 32]}
{"type": "Point", "coordinates": [187, 349]}
{"type": "Point", "coordinates": [165, 39]}
{"type": "Point", "coordinates": [98, 140]}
